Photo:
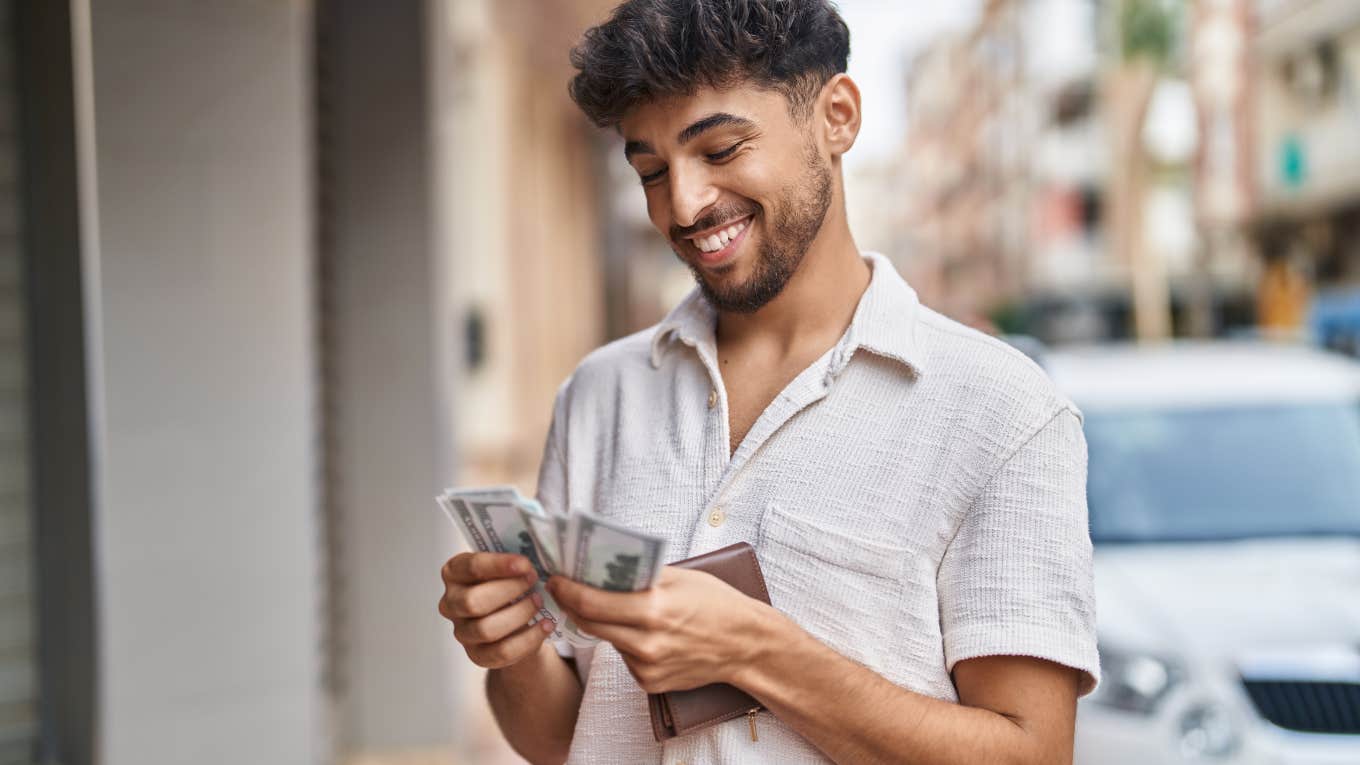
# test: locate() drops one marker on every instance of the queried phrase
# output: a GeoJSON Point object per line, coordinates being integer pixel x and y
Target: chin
{"type": "Point", "coordinates": [724, 279]}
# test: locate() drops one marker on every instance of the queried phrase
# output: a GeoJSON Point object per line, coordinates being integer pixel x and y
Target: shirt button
{"type": "Point", "coordinates": [712, 398]}
{"type": "Point", "coordinates": [716, 518]}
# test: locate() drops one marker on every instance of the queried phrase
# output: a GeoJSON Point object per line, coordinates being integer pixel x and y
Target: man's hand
{"type": "Point", "coordinates": [484, 598]}
{"type": "Point", "coordinates": [690, 629]}
{"type": "Point", "coordinates": [534, 694]}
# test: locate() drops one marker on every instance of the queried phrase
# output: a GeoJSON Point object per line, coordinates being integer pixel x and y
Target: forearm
{"type": "Point", "coordinates": [855, 716]}
{"type": "Point", "coordinates": [535, 703]}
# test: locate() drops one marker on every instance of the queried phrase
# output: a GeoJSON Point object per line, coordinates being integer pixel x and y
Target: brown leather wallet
{"type": "Point", "coordinates": [676, 713]}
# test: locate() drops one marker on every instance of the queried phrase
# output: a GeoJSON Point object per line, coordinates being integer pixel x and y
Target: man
{"type": "Point", "coordinates": [914, 489]}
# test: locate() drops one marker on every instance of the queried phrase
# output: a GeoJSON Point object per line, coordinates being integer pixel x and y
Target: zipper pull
{"type": "Point", "coordinates": [751, 719]}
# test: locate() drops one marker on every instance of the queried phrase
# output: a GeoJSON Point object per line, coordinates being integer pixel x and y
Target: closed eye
{"type": "Point", "coordinates": [718, 156]}
{"type": "Point", "coordinates": [725, 153]}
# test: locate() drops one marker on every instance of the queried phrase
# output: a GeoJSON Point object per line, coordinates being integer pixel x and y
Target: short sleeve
{"type": "Point", "coordinates": [552, 482]}
{"type": "Point", "coordinates": [1017, 578]}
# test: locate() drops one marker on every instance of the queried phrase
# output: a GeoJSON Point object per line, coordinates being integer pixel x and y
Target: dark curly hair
{"type": "Point", "coordinates": [650, 49]}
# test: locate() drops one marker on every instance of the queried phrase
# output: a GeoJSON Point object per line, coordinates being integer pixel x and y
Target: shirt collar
{"type": "Point", "coordinates": [884, 322]}
{"type": "Point", "coordinates": [693, 322]}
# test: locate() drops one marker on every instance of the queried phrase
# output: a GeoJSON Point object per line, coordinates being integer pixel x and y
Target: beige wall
{"type": "Point", "coordinates": [523, 221]}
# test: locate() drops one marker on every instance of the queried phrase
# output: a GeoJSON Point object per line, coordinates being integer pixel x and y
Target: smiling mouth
{"type": "Point", "coordinates": [716, 241]}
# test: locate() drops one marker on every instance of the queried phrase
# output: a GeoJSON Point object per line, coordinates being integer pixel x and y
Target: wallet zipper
{"type": "Point", "coordinates": [751, 719]}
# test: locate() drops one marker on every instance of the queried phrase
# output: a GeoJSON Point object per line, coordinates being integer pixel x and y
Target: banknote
{"type": "Point", "coordinates": [491, 522]}
{"type": "Point", "coordinates": [543, 529]}
{"type": "Point", "coordinates": [579, 545]}
{"type": "Point", "coordinates": [613, 556]}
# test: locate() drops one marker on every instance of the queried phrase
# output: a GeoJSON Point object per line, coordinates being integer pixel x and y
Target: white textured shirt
{"type": "Point", "coordinates": [916, 497]}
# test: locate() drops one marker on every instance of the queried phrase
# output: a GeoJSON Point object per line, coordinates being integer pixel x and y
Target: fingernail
{"type": "Point", "coordinates": [546, 625]}
{"type": "Point", "coordinates": [538, 600]}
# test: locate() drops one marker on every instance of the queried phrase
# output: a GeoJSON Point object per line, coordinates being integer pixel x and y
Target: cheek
{"type": "Point", "coordinates": [755, 182]}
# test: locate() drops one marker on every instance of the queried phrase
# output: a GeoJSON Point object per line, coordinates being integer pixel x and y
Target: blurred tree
{"type": "Point", "coordinates": [1146, 30]}
{"type": "Point", "coordinates": [1147, 34]}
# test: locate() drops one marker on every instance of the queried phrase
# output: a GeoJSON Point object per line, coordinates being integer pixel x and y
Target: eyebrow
{"type": "Point", "coordinates": [694, 130]}
{"type": "Point", "coordinates": [715, 120]}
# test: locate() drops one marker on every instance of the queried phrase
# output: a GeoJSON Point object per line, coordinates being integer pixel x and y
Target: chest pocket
{"type": "Point", "coordinates": [844, 590]}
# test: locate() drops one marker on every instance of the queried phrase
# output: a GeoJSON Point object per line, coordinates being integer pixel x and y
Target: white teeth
{"type": "Point", "coordinates": [715, 242]}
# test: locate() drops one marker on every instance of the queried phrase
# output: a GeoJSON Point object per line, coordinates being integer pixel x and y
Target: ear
{"type": "Point", "coordinates": [838, 111]}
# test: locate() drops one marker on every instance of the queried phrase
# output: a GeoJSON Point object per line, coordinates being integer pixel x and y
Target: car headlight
{"type": "Point", "coordinates": [1207, 732]}
{"type": "Point", "coordinates": [1135, 682]}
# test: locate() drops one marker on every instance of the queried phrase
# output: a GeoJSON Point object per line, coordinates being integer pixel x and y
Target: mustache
{"type": "Point", "coordinates": [711, 219]}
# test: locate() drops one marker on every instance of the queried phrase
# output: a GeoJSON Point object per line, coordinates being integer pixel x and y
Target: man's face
{"type": "Point", "coordinates": [735, 184]}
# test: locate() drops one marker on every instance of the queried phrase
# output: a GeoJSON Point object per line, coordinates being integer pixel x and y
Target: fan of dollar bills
{"type": "Point", "coordinates": [578, 545]}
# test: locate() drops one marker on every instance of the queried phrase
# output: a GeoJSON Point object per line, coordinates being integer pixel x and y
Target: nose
{"type": "Point", "coordinates": [691, 194]}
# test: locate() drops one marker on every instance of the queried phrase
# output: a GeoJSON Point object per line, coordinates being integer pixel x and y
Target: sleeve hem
{"type": "Point", "coordinates": [1065, 648]}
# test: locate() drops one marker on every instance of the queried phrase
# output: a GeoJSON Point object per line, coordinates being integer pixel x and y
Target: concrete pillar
{"type": "Point", "coordinates": [194, 135]}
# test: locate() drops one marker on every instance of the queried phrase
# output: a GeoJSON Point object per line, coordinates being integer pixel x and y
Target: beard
{"type": "Point", "coordinates": [795, 219]}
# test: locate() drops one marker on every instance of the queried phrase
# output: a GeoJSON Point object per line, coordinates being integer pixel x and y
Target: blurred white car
{"type": "Point", "coordinates": [1224, 494]}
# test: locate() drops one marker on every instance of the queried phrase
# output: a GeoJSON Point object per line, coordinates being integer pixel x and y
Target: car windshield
{"type": "Point", "coordinates": [1224, 473]}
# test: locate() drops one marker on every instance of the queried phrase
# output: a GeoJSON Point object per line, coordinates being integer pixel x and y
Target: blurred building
{"type": "Point", "coordinates": [1218, 66]}
{"type": "Point", "coordinates": [963, 176]}
{"type": "Point", "coordinates": [1307, 163]}
{"type": "Point", "coordinates": [1043, 188]}
{"type": "Point", "coordinates": [1075, 283]}
{"type": "Point", "coordinates": [1003, 170]}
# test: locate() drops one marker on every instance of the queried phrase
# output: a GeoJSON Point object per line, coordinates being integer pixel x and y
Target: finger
{"type": "Point", "coordinates": [655, 678]}
{"type": "Point", "coordinates": [471, 568]}
{"type": "Point", "coordinates": [639, 669]}
{"type": "Point", "coordinates": [628, 640]}
{"type": "Point", "coordinates": [631, 608]}
{"type": "Point", "coordinates": [512, 649]}
{"type": "Point", "coordinates": [498, 625]}
{"type": "Point", "coordinates": [483, 599]}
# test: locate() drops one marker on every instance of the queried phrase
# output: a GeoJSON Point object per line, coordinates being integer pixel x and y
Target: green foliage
{"type": "Point", "coordinates": [1010, 318]}
{"type": "Point", "coordinates": [1147, 29]}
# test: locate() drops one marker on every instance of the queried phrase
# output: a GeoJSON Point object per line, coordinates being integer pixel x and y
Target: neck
{"type": "Point", "coordinates": [819, 300]}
